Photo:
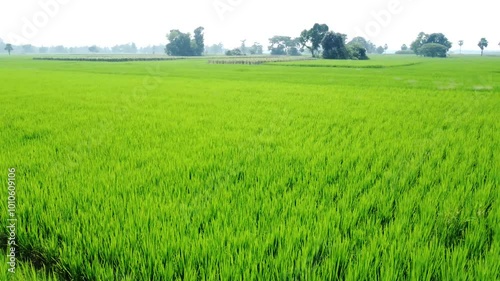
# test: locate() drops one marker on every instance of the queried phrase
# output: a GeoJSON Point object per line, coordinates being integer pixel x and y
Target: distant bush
{"type": "Point", "coordinates": [356, 51]}
{"type": "Point", "coordinates": [293, 51]}
{"type": "Point", "coordinates": [279, 51]}
{"type": "Point", "coordinates": [334, 47]}
{"type": "Point", "coordinates": [234, 52]}
{"type": "Point", "coordinates": [433, 50]}
{"type": "Point", "coordinates": [405, 52]}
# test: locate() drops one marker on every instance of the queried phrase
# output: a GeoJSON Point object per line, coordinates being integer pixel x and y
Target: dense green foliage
{"type": "Point", "coordinates": [368, 45]}
{"type": "Point", "coordinates": [312, 38]}
{"type": "Point", "coordinates": [334, 47]}
{"type": "Point", "coordinates": [356, 51]}
{"type": "Point", "coordinates": [431, 45]}
{"type": "Point", "coordinates": [181, 44]}
{"type": "Point", "coordinates": [8, 48]}
{"type": "Point", "coordinates": [183, 170]}
{"type": "Point", "coordinates": [234, 52]}
{"type": "Point", "coordinates": [284, 45]}
{"type": "Point", "coordinates": [433, 50]}
{"type": "Point", "coordinates": [320, 41]}
{"type": "Point", "coordinates": [94, 49]}
{"type": "Point", "coordinates": [483, 43]}
{"type": "Point", "coordinates": [198, 42]}
{"type": "Point", "coordinates": [256, 49]}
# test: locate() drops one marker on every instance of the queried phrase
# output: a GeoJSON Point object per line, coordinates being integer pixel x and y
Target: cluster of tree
{"type": "Point", "coordinates": [255, 49]}
{"type": "Point", "coordinates": [380, 50]}
{"type": "Point", "coordinates": [215, 49]}
{"type": "Point", "coordinates": [483, 43]}
{"type": "Point", "coordinates": [369, 46]}
{"type": "Point", "coordinates": [125, 49]}
{"type": "Point", "coordinates": [284, 45]}
{"type": "Point", "coordinates": [431, 45]}
{"type": "Point", "coordinates": [332, 45]}
{"type": "Point", "coordinates": [320, 41]}
{"type": "Point", "coordinates": [30, 49]}
{"type": "Point", "coordinates": [405, 50]}
{"type": "Point", "coordinates": [436, 45]}
{"type": "Point", "coordinates": [234, 52]}
{"type": "Point", "coordinates": [243, 50]}
{"type": "Point", "coordinates": [357, 51]}
{"type": "Point", "coordinates": [312, 39]}
{"type": "Point", "coordinates": [181, 44]}
{"type": "Point", "coordinates": [243, 47]}
{"type": "Point", "coordinates": [152, 49]}
{"type": "Point", "coordinates": [130, 48]}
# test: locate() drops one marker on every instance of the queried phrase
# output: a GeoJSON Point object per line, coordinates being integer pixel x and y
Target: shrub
{"type": "Point", "coordinates": [234, 52]}
{"type": "Point", "coordinates": [356, 52]}
{"type": "Point", "coordinates": [433, 50]}
{"type": "Point", "coordinates": [405, 52]}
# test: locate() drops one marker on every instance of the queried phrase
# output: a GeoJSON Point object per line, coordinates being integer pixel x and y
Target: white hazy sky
{"type": "Point", "coordinates": [146, 22]}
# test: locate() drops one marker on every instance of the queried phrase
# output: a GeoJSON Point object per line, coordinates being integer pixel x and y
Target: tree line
{"type": "Point", "coordinates": [129, 48]}
{"type": "Point", "coordinates": [435, 45]}
{"type": "Point", "coordinates": [318, 41]}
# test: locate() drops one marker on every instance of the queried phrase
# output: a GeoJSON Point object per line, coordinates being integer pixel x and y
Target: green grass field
{"type": "Point", "coordinates": [182, 170]}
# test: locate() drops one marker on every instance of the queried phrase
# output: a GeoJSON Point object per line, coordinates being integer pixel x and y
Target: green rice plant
{"type": "Point", "coordinates": [229, 172]}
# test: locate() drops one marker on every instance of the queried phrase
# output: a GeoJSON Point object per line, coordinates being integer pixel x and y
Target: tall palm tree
{"type": "Point", "coordinates": [483, 43]}
{"type": "Point", "coordinates": [461, 43]}
{"type": "Point", "coordinates": [9, 48]}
